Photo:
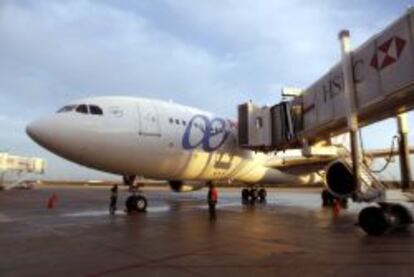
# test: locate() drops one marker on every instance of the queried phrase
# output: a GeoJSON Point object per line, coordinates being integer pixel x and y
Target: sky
{"type": "Point", "coordinates": [212, 55]}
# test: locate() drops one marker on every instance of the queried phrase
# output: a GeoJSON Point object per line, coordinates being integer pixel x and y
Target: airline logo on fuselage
{"type": "Point", "coordinates": [208, 134]}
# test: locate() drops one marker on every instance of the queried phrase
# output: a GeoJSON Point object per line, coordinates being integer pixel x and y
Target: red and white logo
{"type": "Point", "coordinates": [388, 53]}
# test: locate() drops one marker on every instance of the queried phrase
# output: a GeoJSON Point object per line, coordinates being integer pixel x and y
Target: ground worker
{"type": "Point", "coordinates": [113, 199]}
{"type": "Point", "coordinates": [212, 198]}
{"type": "Point", "coordinates": [336, 207]}
{"type": "Point", "coordinates": [52, 201]}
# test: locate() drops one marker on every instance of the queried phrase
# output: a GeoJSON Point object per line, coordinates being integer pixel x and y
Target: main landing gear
{"type": "Point", "coordinates": [328, 199]}
{"type": "Point", "coordinates": [136, 202]}
{"type": "Point", "coordinates": [387, 217]}
{"type": "Point", "coordinates": [252, 194]}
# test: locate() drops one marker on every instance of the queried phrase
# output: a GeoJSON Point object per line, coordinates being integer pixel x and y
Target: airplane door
{"type": "Point", "coordinates": [149, 124]}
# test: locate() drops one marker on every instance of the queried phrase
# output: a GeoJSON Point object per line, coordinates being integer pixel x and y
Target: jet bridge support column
{"type": "Point", "coordinates": [351, 109]}
{"type": "Point", "coordinates": [402, 122]}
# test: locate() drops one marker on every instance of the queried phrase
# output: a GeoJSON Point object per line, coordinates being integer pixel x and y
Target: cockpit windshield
{"type": "Point", "coordinates": [66, 109]}
{"type": "Point", "coordinates": [82, 108]}
{"type": "Point", "coordinates": [95, 110]}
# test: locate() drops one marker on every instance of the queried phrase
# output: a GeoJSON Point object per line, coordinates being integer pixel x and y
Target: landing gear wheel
{"type": "Point", "coordinates": [136, 203]}
{"type": "Point", "coordinates": [253, 195]}
{"type": "Point", "coordinates": [327, 198]}
{"type": "Point", "coordinates": [141, 203]}
{"type": "Point", "coordinates": [130, 203]}
{"type": "Point", "coordinates": [262, 194]}
{"type": "Point", "coordinates": [373, 221]}
{"type": "Point", "coordinates": [399, 217]}
{"type": "Point", "coordinates": [344, 203]}
{"type": "Point", "coordinates": [245, 195]}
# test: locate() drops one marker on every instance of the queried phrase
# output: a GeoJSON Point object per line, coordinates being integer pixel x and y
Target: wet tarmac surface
{"type": "Point", "coordinates": [290, 235]}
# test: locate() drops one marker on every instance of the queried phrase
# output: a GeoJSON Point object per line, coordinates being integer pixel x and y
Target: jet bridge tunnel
{"type": "Point", "coordinates": [371, 83]}
{"type": "Point", "coordinates": [19, 166]}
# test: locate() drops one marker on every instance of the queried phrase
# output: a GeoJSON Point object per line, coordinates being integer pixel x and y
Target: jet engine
{"type": "Point", "coordinates": [339, 179]}
{"type": "Point", "coordinates": [185, 186]}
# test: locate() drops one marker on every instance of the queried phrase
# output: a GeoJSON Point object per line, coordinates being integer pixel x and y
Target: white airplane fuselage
{"type": "Point", "coordinates": [151, 138]}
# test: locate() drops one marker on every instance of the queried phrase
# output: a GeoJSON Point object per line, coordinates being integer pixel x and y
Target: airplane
{"type": "Point", "coordinates": [163, 140]}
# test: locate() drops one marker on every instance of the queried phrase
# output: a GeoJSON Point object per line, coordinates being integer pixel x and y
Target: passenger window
{"type": "Point", "coordinates": [183, 122]}
{"type": "Point", "coordinates": [95, 110]}
{"type": "Point", "coordinates": [82, 109]}
{"type": "Point", "coordinates": [171, 120]}
{"type": "Point", "coordinates": [177, 122]}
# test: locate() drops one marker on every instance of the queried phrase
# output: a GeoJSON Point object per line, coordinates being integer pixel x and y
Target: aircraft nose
{"type": "Point", "coordinates": [39, 130]}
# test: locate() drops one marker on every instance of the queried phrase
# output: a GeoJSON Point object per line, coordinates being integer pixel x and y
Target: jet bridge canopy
{"type": "Point", "coordinates": [383, 78]}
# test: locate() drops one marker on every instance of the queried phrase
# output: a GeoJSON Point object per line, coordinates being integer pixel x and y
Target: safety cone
{"type": "Point", "coordinates": [52, 201]}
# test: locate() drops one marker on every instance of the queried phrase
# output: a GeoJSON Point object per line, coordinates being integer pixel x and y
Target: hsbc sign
{"type": "Point", "coordinates": [388, 53]}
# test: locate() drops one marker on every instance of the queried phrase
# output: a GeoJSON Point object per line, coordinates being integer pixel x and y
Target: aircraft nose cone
{"type": "Point", "coordinates": [39, 131]}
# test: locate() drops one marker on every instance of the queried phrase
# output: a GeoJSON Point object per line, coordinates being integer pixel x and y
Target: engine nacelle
{"type": "Point", "coordinates": [186, 186]}
{"type": "Point", "coordinates": [339, 179]}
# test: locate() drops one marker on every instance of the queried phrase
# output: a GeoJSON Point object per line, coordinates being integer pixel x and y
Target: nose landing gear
{"type": "Point", "coordinates": [136, 202]}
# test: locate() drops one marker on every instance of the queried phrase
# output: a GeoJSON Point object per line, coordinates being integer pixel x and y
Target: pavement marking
{"type": "Point", "coordinates": [90, 213]}
{"type": "Point", "coordinates": [96, 213]}
{"type": "Point", "coordinates": [221, 205]}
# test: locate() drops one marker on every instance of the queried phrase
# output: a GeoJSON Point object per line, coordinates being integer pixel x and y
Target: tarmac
{"type": "Point", "coordinates": [290, 235]}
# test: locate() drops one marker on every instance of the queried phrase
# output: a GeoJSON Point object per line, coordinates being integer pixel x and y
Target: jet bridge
{"type": "Point", "coordinates": [369, 84]}
{"type": "Point", "coordinates": [14, 168]}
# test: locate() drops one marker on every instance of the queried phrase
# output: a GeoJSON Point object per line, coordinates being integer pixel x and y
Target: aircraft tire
{"type": "Point", "coordinates": [401, 214]}
{"type": "Point", "coordinates": [245, 194]}
{"type": "Point", "coordinates": [141, 203]}
{"type": "Point", "coordinates": [344, 203]}
{"type": "Point", "coordinates": [373, 221]}
{"type": "Point", "coordinates": [262, 194]}
{"type": "Point", "coordinates": [130, 203]}
{"type": "Point", "coordinates": [253, 195]}
{"type": "Point", "coordinates": [327, 198]}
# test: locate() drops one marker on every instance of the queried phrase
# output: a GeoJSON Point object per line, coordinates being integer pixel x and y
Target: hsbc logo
{"type": "Point", "coordinates": [388, 53]}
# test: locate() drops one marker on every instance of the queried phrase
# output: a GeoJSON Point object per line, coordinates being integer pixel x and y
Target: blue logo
{"type": "Point", "coordinates": [209, 134]}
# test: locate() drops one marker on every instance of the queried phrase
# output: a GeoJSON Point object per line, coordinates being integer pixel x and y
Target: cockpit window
{"type": "Point", "coordinates": [95, 110]}
{"type": "Point", "coordinates": [82, 109]}
{"type": "Point", "coordinates": [66, 109]}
